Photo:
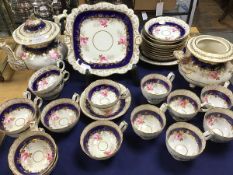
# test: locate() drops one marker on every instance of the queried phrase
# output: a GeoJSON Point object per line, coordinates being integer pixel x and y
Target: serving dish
{"type": "Point", "coordinates": [101, 140]}
{"type": "Point", "coordinates": [61, 115]}
{"type": "Point", "coordinates": [34, 152]}
{"type": "Point", "coordinates": [148, 121]}
{"type": "Point", "coordinates": [102, 38]}
{"type": "Point", "coordinates": [219, 122]}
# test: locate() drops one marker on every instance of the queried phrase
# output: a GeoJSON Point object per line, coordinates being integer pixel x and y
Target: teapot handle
{"type": "Point", "coordinates": [58, 18]}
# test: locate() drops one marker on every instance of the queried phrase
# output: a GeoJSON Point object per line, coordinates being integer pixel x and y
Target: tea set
{"type": "Point", "coordinates": [203, 61]}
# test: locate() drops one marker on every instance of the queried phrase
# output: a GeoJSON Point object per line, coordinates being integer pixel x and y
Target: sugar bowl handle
{"type": "Point", "coordinates": [58, 18]}
{"type": "Point", "coordinates": [171, 76]}
{"type": "Point", "coordinates": [76, 97]}
{"type": "Point", "coordinates": [123, 126]}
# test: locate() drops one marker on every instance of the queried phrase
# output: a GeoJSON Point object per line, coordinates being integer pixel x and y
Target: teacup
{"type": "Point", "coordinates": [217, 96]}
{"type": "Point", "coordinates": [48, 82]}
{"type": "Point", "coordinates": [155, 87]}
{"type": "Point", "coordinates": [148, 121]}
{"type": "Point", "coordinates": [34, 152]}
{"type": "Point", "coordinates": [61, 115]}
{"type": "Point", "coordinates": [219, 122]}
{"type": "Point", "coordinates": [185, 141]}
{"type": "Point", "coordinates": [17, 114]}
{"type": "Point", "coordinates": [101, 140]}
{"type": "Point", "coordinates": [183, 104]}
{"type": "Point", "coordinates": [104, 94]}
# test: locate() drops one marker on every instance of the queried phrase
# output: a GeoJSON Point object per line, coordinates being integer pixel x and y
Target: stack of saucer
{"type": "Point", "coordinates": [160, 37]}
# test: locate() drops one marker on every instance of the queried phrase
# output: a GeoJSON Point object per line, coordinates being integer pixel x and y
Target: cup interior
{"type": "Point", "coordinates": [16, 114]}
{"type": "Point", "coordinates": [216, 98]}
{"type": "Point", "coordinates": [103, 94]}
{"type": "Point", "coordinates": [220, 123]}
{"type": "Point", "coordinates": [147, 121]}
{"type": "Point", "coordinates": [183, 104]}
{"type": "Point", "coordinates": [184, 141]}
{"type": "Point", "coordinates": [60, 115]}
{"type": "Point", "coordinates": [45, 80]}
{"type": "Point", "coordinates": [101, 141]}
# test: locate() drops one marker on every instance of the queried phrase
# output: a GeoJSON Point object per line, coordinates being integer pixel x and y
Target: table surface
{"type": "Point", "coordinates": [136, 156]}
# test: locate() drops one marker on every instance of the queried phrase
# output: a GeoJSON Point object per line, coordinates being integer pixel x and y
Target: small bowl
{"type": "Point", "coordinates": [48, 82]}
{"type": "Point", "coordinates": [17, 114]}
{"type": "Point", "coordinates": [219, 122]}
{"type": "Point", "coordinates": [148, 121]}
{"type": "Point", "coordinates": [61, 115]}
{"type": "Point", "coordinates": [104, 94]}
{"type": "Point", "coordinates": [155, 87]}
{"type": "Point", "coordinates": [183, 105]}
{"type": "Point", "coordinates": [101, 140]}
{"type": "Point", "coordinates": [185, 141]}
{"type": "Point", "coordinates": [34, 152]}
{"type": "Point", "coordinates": [217, 96]}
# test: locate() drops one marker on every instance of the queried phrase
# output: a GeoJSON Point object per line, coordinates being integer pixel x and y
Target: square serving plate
{"type": "Point", "coordinates": [104, 39]}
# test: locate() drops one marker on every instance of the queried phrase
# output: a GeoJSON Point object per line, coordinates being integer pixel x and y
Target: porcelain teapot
{"type": "Point", "coordinates": [38, 45]}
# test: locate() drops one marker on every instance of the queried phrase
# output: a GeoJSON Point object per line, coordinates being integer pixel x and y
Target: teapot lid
{"type": "Point", "coordinates": [36, 31]}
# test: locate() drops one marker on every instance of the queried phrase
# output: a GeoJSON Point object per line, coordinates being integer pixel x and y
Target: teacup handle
{"type": "Point", "coordinates": [76, 97]}
{"type": "Point", "coordinates": [61, 65]}
{"type": "Point", "coordinates": [123, 126]}
{"type": "Point", "coordinates": [66, 75]}
{"type": "Point", "coordinates": [27, 94]}
{"type": "Point", "coordinates": [171, 76]}
{"type": "Point", "coordinates": [204, 107]}
{"type": "Point", "coordinates": [34, 126]}
{"type": "Point", "coordinates": [207, 135]}
{"type": "Point", "coordinates": [163, 107]}
{"type": "Point", "coordinates": [38, 101]}
{"type": "Point", "coordinates": [125, 94]}
{"type": "Point", "coordinates": [226, 84]}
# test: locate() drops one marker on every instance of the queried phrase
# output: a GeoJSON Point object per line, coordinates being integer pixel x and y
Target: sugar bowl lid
{"type": "Point", "coordinates": [36, 31]}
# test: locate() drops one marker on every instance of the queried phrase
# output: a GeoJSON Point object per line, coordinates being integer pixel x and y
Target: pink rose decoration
{"type": "Point", "coordinates": [103, 58]}
{"type": "Point", "coordinates": [103, 22]}
{"type": "Point", "coordinates": [104, 92]}
{"type": "Point", "coordinates": [54, 54]}
{"type": "Point", "coordinates": [210, 120]}
{"type": "Point", "coordinates": [50, 156]}
{"type": "Point", "coordinates": [8, 120]}
{"type": "Point", "coordinates": [83, 41]}
{"type": "Point", "coordinates": [139, 120]}
{"type": "Point", "coordinates": [108, 153]}
{"type": "Point", "coordinates": [25, 155]}
{"type": "Point", "coordinates": [179, 136]}
{"type": "Point", "coordinates": [97, 136]}
{"type": "Point", "coordinates": [214, 75]}
{"type": "Point", "coordinates": [42, 84]}
{"type": "Point", "coordinates": [54, 116]}
{"type": "Point", "coordinates": [183, 102]}
{"type": "Point", "coordinates": [149, 86]}
{"type": "Point", "coordinates": [24, 56]}
{"type": "Point", "coordinates": [174, 29]}
{"type": "Point", "coordinates": [122, 41]}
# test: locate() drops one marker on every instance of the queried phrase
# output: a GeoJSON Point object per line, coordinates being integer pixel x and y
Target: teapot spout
{"type": "Point", "coordinates": [14, 62]}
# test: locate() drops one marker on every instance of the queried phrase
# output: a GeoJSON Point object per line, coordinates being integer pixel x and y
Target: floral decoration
{"type": "Point", "coordinates": [50, 157]}
{"type": "Point", "coordinates": [24, 155]}
{"type": "Point", "coordinates": [139, 120]}
{"type": "Point", "coordinates": [211, 119]}
{"type": "Point", "coordinates": [214, 75]}
{"type": "Point", "coordinates": [103, 59]}
{"type": "Point", "coordinates": [42, 83]}
{"type": "Point", "coordinates": [108, 152]}
{"type": "Point", "coordinates": [150, 86]}
{"type": "Point", "coordinates": [24, 55]}
{"type": "Point", "coordinates": [83, 40]}
{"type": "Point", "coordinates": [54, 116]}
{"type": "Point", "coordinates": [122, 41]}
{"type": "Point", "coordinates": [179, 135]}
{"type": "Point", "coordinates": [104, 92]}
{"type": "Point", "coordinates": [103, 22]}
{"type": "Point", "coordinates": [97, 136]}
{"type": "Point", "coordinates": [54, 54]}
{"type": "Point", "coordinates": [183, 102]}
{"type": "Point", "coordinates": [8, 120]}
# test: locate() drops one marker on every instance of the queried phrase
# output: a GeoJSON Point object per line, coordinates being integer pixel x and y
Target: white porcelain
{"type": "Point", "coordinates": [210, 49]}
{"type": "Point", "coordinates": [17, 114]}
{"type": "Point", "coordinates": [183, 105]}
{"type": "Point", "coordinates": [33, 152]}
{"type": "Point", "coordinates": [158, 63]}
{"type": "Point", "coordinates": [148, 121]}
{"type": "Point", "coordinates": [185, 141]}
{"type": "Point", "coordinates": [219, 122]}
{"type": "Point", "coordinates": [49, 81]}
{"type": "Point", "coordinates": [217, 96]}
{"type": "Point", "coordinates": [198, 73]}
{"type": "Point", "coordinates": [103, 43]}
{"type": "Point", "coordinates": [160, 28]}
{"type": "Point", "coordinates": [104, 94]}
{"type": "Point", "coordinates": [155, 87]}
{"type": "Point", "coordinates": [101, 140]}
{"type": "Point", "coordinates": [61, 115]}
{"type": "Point", "coordinates": [119, 109]}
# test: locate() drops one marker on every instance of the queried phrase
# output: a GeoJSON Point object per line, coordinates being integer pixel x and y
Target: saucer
{"type": "Point", "coordinates": [114, 112]}
{"type": "Point", "coordinates": [34, 152]}
{"type": "Point", "coordinates": [16, 114]}
{"type": "Point", "coordinates": [158, 63]}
